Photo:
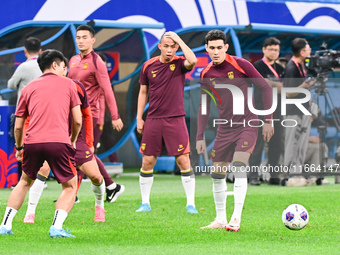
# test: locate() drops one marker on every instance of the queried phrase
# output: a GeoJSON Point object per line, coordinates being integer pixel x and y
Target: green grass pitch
{"type": "Point", "coordinates": [168, 229]}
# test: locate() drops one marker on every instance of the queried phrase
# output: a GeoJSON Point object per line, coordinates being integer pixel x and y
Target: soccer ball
{"type": "Point", "coordinates": [295, 217]}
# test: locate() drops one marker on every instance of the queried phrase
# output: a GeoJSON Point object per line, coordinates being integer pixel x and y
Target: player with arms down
{"type": "Point", "coordinates": [234, 142]}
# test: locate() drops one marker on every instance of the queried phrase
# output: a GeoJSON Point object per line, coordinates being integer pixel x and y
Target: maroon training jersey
{"type": "Point", "coordinates": [232, 71]}
{"type": "Point", "coordinates": [91, 71]}
{"type": "Point", "coordinates": [166, 85]}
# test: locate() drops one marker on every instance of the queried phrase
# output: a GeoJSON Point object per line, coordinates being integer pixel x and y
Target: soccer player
{"type": "Point", "coordinates": [88, 68]}
{"type": "Point", "coordinates": [85, 162]}
{"type": "Point", "coordinates": [272, 72]}
{"type": "Point", "coordinates": [162, 77]}
{"type": "Point", "coordinates": [234, 141]}
{"type": "Point", "coordinates": [47, 138]}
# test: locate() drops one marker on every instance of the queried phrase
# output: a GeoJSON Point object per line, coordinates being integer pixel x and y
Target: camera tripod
{"type": "Point", "coordinates": [322, 91]}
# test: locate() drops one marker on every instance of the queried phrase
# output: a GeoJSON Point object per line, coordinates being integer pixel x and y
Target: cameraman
{"type": "Point", "coordinates": [296, 138]}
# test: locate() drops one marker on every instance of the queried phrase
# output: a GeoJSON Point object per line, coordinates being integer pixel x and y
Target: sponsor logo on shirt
{"type": "Point", "coordinates": [172, 67]}
{"type": "Point", "coordinates": [180, 147]}
{"type": "Point", "coordinates": [231, 75]}
{"type": "Point", "coordinates": [154, 73]}
{"type": "Point", "coordinates": [143, 146]}
{"type": "Point", "coordinates": [86, 65]}
{"type": "Point", "coordinates": [88, 154]}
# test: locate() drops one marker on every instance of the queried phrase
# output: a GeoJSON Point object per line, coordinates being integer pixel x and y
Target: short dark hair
{"type": "Point", "coordinates": [32, 45]}
{"type": "Point", "coordinates": [102, 56]}
{"type": "Point", "coordinates": [271, 41]}
{"type": "Point", "coordinates": [297, 45]}
{"type": "Point", "coordinates": [47, 57]}
{"type": "Point", "coordinates": [87, 28]}
{"type": "Point", "coordinates": [214, 35]}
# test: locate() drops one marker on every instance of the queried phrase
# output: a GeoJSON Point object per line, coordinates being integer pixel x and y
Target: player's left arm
{"type": "Point", "coordinates": [267, 97]}
{"type": "Point", "coordinates": [104, 82]}
{"type": "Point", "coordinates": [190, 57]}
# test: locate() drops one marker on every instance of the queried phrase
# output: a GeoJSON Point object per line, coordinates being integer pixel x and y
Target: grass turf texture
{"type": "Point", "coordinates": [168, 229]}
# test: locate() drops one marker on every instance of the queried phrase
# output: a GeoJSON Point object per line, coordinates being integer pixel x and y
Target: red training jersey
{"type": "Point", "coordinates": [48, 101]}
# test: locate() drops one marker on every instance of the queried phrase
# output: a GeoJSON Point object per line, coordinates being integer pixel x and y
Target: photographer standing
{"type": "Point", "coordinates": [272, 72]}
{"type": "Point", "coordinates": [296, 138]}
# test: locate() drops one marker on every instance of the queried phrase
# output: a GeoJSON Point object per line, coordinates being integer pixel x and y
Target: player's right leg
{"type": "Point", "coordinates": [60, 157]}
{"type": "Point", "coordinates": [146, 181]}
{"type": "Point", "coordinates": [151, 148]}
{"type": "Point", "coordinates": [63, 206]}
{"type": "Point", "coordinates": [218, 176]}
{"type": "Point", "coordinates": [35, 193]}
{"type": "Point", "coordinates": [15, 201]}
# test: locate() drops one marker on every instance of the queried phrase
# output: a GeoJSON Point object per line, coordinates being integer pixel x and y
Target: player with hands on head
{"type": "Point", "coordinates": [162, 81]}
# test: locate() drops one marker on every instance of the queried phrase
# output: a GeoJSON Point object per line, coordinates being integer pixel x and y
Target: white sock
{"type": "Point", "coordinates": [145, 186]}
{"type": "Point", "coordinates": [240, 191]}
{"type": "Point", "coordinates": [99, 193]}
{"type": "Point", "coordinates": [59, 218]}
{"type": "Point", "coordinates": [189, 187]}
{"type": "Point", "coordinates": [8, 217]}
{"type": "Point", "coordinates": [112, 186]}
{"type": "Point", "coordinates": [220, 198]}
{"type": "Point", "coordinates": [34, 196]}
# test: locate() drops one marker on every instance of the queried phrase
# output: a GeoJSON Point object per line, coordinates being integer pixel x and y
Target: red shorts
{"type": "Point", "coordinates": [83, 153]}
{"type": "Point", "coordinates": [230, 140]}
{"type": "Point", "coordinates": [171, 132]}
{"type": "Point", "coordinates": [59, 156]}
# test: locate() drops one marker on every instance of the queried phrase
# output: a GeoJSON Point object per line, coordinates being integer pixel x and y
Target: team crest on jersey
{"type": "Point", "coordinates": [88, 154]}
{"type": "Point", "coordinates": [172, 67]}
{"type": "Point", "coordinates": [72, 64]}
{"type": "Point", "coordinates": [143, 146]}
{"type": "Point", "coordinates": [86, 65]}
{"type": "Point", "coordinates": [231, 75]}
{"type": "Point", "coordinates": [213, 153]}
{"type": "Point", "coordinates": [245, 144]}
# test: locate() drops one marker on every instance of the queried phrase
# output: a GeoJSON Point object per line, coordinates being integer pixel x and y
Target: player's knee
{"type": "Point", "coordinates": [183, 161]}
{"type": "Point", "coordinates": [148, 163]}
{"type": "Point", "coordinates": [97, 178]}
{"type": "Point", "coordinates": [70, 185]}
